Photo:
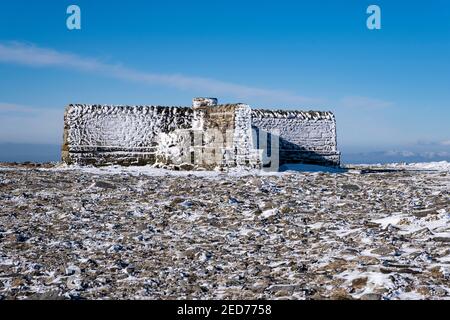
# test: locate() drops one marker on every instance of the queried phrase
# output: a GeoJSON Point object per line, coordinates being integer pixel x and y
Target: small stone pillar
{"type": "Point", "coordinates": [204, 102]}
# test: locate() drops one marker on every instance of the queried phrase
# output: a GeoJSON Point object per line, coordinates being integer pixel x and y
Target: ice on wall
{"type": "Point", "coordinates": [308, 135]}
{"type": "Point", "coordinates": [126, 131]}
{"type": "Point", "coordinates": [122, 126]}
{"type": "Point", "coordinates": [102, 134]}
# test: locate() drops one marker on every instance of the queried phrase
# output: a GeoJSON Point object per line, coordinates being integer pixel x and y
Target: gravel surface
{"type": "Point", "coordinates": [75, 233]}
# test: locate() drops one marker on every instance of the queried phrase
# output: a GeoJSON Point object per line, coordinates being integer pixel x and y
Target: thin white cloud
{"type": "Point", "coordinates": [30, 55]}
{"type": "Point", "coordinates": [18, 109]}
{"type": "Point", "coordinates": [433, 143]}
{"type": "Point", "coordinates": [364, 103]}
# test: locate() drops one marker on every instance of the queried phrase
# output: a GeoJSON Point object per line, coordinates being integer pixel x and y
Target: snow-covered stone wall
{"type": "Point", "coordinates": [307, 137]}
{"type": "Point", "coordinates": [96, 134]}
{"type": "Point", "coordinates": [227, 136]}
{"type": "Point", "coordinates": [205, 136]}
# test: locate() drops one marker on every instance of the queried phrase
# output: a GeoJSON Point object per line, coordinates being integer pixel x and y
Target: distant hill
{"type": "Point", "coordinates": [17, 152]}
{"type": "Point", "coordinates": [394, 157]}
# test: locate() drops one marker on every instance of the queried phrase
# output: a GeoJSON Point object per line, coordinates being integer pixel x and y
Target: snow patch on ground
{"type": "Point", "coordinates": [420, 166]}
{"type": "Point", "coordinates": [435, 166]}
{"type": "Point", "coordinates": [438, 223]}
{"type": "Point", "coordinates": [232, 172]}
{"type": "Point", "coordinates": [241, 171]}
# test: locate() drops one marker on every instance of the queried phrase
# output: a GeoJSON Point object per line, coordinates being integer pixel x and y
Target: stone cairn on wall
{"type": "Point", "coordinates": [205, 137]}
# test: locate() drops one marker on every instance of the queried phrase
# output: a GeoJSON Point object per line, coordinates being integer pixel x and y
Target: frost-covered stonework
{"type": "Point", "coordinates": [308, 137]}
{"type": "Point", "coordinates": [206, 136]}
{"type": "Point", "coordinates": [96, 134]}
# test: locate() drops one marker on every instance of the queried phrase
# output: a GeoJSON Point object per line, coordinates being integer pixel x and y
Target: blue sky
{"type": "Point", "coordinates": [389, 88]}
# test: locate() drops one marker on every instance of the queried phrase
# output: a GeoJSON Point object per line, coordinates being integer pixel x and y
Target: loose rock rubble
{"type": "Point", "coordinates": [71, 233]}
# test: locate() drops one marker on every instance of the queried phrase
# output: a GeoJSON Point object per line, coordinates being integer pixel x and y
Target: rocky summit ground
{"type": "Point", "coordinates": [141, 234]}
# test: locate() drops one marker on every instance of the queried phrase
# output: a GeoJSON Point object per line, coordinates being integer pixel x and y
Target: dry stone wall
{"type": "Point", "coordinates": [226, 137]}
{"type": "Point", "coordinates": [96, 134]}
{"type": "Point", "coordinates": [307, 137]}
{"type": "Point", "coordinates": [207, 136]}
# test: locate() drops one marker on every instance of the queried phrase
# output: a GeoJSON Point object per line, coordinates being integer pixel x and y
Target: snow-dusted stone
{"type": "Point", "coordinates": [204, 102]}
{"type": "Point", "coordinates": [97, 134]}
{"type": "Point", "coordinates": [143, 233]}
{"type": "Point", "coordinates": [206, 136]}
{"type": "Point", "coordinates": [304, 137]}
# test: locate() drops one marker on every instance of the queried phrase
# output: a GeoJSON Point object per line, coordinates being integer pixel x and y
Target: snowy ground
{"type": "Point", "coordinates": [379, 232]}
